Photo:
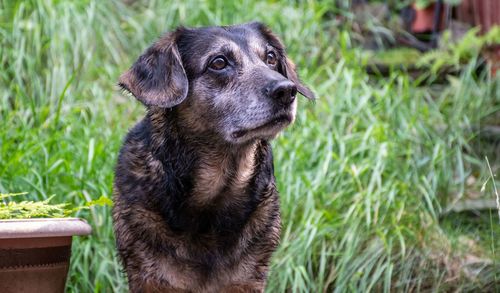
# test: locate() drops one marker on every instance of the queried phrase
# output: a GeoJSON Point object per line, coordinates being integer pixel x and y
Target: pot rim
{"type": "Point", "coordinates": [43, 227]}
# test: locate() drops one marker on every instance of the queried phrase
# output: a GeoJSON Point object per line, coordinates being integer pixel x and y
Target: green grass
{"type": "Point", "coordinates": [364, 174]}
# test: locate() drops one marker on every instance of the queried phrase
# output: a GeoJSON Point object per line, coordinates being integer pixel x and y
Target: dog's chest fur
{"type": "Point", "coordinates": [193, 219]}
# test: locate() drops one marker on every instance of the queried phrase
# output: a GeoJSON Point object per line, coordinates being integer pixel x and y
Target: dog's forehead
{"type": "Point", "coordinates": [243, 38]}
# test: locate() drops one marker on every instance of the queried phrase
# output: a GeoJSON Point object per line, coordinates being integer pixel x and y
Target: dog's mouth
{"type": "Point", "coordinates": [269, 128]}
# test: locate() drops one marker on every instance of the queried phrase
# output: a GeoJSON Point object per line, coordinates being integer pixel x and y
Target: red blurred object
{"type": "Point", "coordinates": [482, 13]}
{"type": "Point", "coordinates": [485, 14]}
{"type": "Point", "coordinates": [423, 21]}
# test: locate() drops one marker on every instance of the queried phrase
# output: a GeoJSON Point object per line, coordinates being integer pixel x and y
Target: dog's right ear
{"type": "Point", "coordinates": [158, 78]}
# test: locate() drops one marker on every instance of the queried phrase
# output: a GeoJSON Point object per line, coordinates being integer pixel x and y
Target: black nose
{"type": "Point", "coordinates": [283, 91]}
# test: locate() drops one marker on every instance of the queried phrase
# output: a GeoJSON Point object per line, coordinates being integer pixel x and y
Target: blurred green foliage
{"type": "Point", "coordinates": [365, 173]}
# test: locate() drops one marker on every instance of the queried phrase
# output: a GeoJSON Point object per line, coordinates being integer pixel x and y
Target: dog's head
{"type": "Point", "coordinates": [235, 82]}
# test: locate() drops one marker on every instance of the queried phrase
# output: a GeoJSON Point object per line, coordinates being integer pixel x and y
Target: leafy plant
{"type": "Point", "coordinates": [394, 57]}
{"type": "Point", "coordinates": [41, 209]}
{"type": "Point", "coordinates": [31, 209]}
{"type": "Point", "coordinates": [454, 55]}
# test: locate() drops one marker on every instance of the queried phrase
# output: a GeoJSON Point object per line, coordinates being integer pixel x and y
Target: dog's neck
{"type": "Point", "coordinates": [221, 172]}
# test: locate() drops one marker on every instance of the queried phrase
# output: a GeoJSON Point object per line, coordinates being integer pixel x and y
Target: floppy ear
{"type": "Point", "coordinates": [286, 66]}
{"type": "Point", "coordinates": [288, 70]}
{"type": "Point", "coordinates": [158, 78]}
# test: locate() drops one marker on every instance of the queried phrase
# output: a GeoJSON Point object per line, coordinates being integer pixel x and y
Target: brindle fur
{"type": "Point", "coordinates": [196, 206]}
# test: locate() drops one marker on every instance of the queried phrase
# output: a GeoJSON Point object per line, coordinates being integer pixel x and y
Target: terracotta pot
{"type": "Point", "coordinates": [423, 20]}
{"type": "Point", "coordinates": [35, 253]}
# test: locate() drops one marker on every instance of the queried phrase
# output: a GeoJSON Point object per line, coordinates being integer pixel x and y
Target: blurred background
{"type": "Point", "coordinates": [387, 181]}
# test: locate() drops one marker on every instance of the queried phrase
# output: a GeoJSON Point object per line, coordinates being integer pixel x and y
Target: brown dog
{"type": "Point", "coordinates": [196, 207]}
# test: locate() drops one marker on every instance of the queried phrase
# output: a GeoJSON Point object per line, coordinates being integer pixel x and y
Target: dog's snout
{"type": "Point", "coordinates": [283, 91]}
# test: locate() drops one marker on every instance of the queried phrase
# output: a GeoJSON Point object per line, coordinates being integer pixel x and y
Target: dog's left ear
{"type": "Point", "coordinates": [288, 69]}
{"type": "Point", "coordinates": [158, 78]}
{"type": "Point", "coordinates": [286, 66]}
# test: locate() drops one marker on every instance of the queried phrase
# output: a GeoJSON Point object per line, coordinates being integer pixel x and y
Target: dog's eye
{"type": "Point", "coordinates": [218, 63]}
{"type": "Point", "coordinates": [271, 58]}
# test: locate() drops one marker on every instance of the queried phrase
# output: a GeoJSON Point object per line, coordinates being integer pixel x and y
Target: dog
{"type": "Point", "coordinates": [195, 203]}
